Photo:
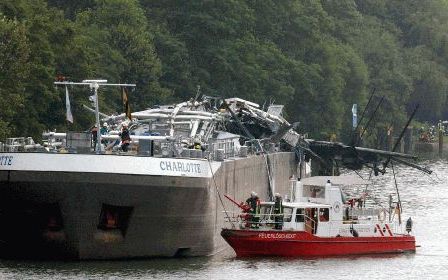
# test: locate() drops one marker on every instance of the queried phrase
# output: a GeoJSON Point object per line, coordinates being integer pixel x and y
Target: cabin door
{"type": "Point", "coordinates": [311, 220]}
{"type": "Point", "coordinates": [324, 222]}
{"type": "Point", "coordinates": [299, 219]}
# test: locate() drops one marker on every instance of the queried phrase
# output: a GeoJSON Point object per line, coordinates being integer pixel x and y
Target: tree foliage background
{"type": "Point", "coordinates": [318, 57]}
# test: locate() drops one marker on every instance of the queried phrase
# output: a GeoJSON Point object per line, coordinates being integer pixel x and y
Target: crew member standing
{"type": "Point", "coordinates": [125, 138]}
{"type": "Point", "coordinates": [254, 202]}
{"type": "Point", "coordinates": [94, 133]}
{"type": "Point", "coordinates": [103, 131]}
{"type": "Point", "coordinates": [278, 211]}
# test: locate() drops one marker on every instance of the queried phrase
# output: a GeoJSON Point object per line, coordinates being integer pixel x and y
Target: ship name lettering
{"type": "Point", "coordinates": [347, 231]}
{"type": "Point", "coordinates": [180, 166]}
{"type": "Point", "coordinates": [277, 235]}
{"type": "Point", "coordinates": [6, 160]}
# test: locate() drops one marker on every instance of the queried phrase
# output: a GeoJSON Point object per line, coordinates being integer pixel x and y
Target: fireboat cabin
{"type": "Point", "coordinates": [317, 220]}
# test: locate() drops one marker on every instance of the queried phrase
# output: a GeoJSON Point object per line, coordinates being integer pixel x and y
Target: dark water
{"type": "Point", "coordinates": [425, 198]}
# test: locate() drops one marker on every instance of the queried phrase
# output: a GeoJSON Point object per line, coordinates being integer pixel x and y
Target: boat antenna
{"type": "Point", "coordinates": [356, 142]}
{"type": "Point", "coordinates": [219, 194]}
{"type": "Point", "coordinates": [398, 195]}
{"type": "Point", "coordinates": [400, 137]}
{"type": "Point", "coordinates": [95, 84]}
{"type": "Point", "coordinates": [370, 119]}
{"type": "Point", "coordinates": [362, 116]}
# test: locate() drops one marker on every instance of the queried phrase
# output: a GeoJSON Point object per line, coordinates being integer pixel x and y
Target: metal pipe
{"type": "Point", "coordinates": [137, 137]}
{"type": "Point", "coordinates": [142, 117]}
{"type": "Point", "coordinates": [95, 86]}
{"type": "Point", "coordinates": [53, 135]}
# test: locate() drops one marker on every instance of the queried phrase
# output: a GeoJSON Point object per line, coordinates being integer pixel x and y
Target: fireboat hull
{"type": "Point", "coordinates": [247, 243]}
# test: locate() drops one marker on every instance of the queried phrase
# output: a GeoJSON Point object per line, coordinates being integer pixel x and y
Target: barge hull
{"type": "Point", "coordinates": [59, 214]}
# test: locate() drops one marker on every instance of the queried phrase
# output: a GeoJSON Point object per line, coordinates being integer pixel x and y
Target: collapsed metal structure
{"type": "Point", "coordinates": [235, 121]}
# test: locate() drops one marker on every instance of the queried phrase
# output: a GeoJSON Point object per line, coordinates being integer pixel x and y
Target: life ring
{"type": "Point", "coordinates": [382, 215]}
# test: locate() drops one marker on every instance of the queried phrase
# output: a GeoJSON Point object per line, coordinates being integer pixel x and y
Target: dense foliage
{"type": "Point", "coordinates": [317, 57]}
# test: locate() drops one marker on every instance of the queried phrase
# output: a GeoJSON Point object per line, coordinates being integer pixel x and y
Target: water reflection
{"type": "Point", "coordinates": [97, 269]}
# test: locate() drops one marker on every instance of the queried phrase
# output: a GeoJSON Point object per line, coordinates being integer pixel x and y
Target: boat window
{"type": "Point", "coordinates": [324, 214]}
{"type": "Point", "coordinates": [287, 212]}
{"type": "Point", "coordinates": [313, 191]}
{"type": "Point", "coordinates": [299, 216]}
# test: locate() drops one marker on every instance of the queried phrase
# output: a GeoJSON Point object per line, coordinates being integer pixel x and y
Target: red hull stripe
{"type": "Point", "coordinates": [379, 229]}
{"type": "Point", "coordinates": [388, 230]}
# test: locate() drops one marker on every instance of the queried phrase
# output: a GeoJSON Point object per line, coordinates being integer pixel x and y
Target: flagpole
{"type": "Point", "coordinates": [95, 84]}
{"type": "Point", "coordinates": [97, 116]}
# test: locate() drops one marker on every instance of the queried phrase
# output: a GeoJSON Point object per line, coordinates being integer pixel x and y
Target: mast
{"type": "Point", "coordinates": [95, 84]}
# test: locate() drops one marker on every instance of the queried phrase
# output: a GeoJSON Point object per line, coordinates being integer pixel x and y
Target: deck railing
{"type": "Point", "coordinates": [267, 221]}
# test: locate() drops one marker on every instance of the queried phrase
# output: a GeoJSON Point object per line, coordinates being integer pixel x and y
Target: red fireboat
{"type": "Point", "coordinates": [317, 222]}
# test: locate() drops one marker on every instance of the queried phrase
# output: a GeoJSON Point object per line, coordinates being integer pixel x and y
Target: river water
{"type": "Point", "coordinates": [424, 197]}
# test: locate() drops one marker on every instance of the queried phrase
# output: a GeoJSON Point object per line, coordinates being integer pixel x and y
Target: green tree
{"type": "Point", "coordinates": [121, 49]}
{"type": "Point", "coordinates": [14, 71]}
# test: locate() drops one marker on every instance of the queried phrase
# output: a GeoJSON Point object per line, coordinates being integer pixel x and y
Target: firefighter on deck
{"type": "Point", "coordinates": [278, 211]}
{"type": "Point", "coordinates": [94, 133]}
{"type": "Point", "coordinates": [125, 138]}
{"type": "Point", "coordinates": [254, 202]}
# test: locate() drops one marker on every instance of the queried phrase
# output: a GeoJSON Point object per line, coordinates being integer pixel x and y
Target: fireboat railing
{"type": "Point", "coordinates": [267, 219]}
{"type": "Point", "coordinates": [310, 224]}
{"type": "Point", "coordinates": [270, 220]}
